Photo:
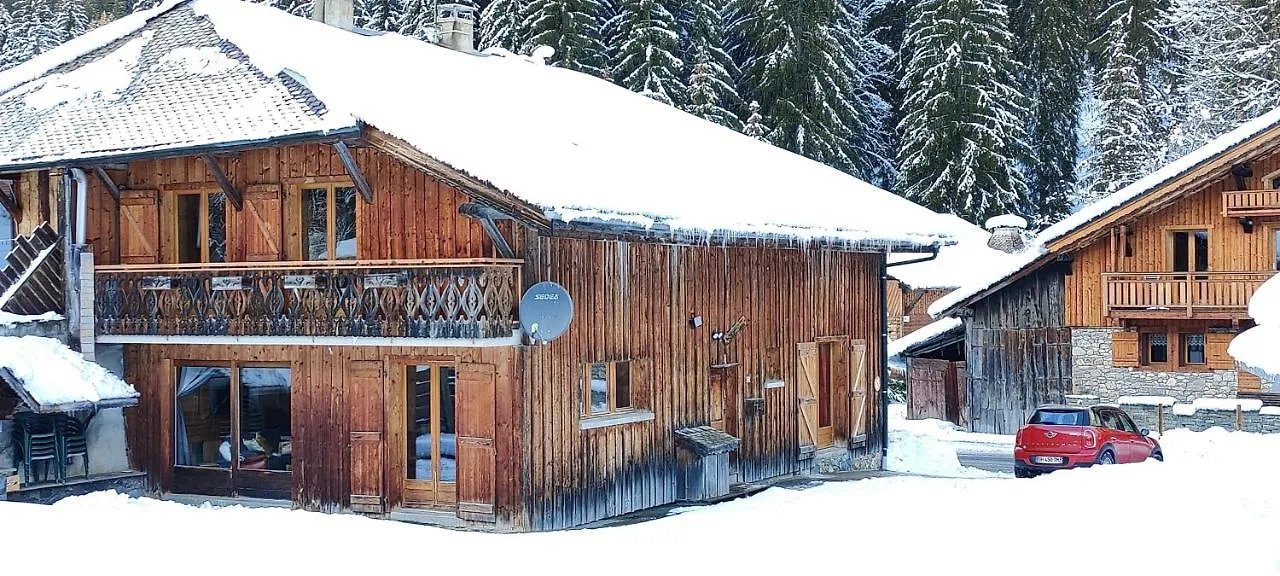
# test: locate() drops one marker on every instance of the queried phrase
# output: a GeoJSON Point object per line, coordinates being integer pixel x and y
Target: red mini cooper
{"type": "Point", "coordinates": [1058, 437]}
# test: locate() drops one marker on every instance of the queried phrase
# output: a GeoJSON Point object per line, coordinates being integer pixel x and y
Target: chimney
{"type": "Point", "coordinates": [1007, 233]}
{"type": "Point", "coordinates": [337, 13]}
{"type": "Point", "coordinates": [456, 24]}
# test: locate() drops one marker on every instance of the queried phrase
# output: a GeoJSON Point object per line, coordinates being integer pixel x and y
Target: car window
{"type": "Point", "coordinates": [1127, 423]}
{"type": "Point", "coordinates": [1060, 417]}
{"type": "Point", "coordinates": [1109, 420]}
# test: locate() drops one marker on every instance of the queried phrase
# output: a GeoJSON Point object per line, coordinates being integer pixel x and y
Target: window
{"type": "Point", "coordinates": [329, 222]}
{"type": "Point", "coordinates": [201, 227]}
{"type": "Point", "coordinates": [1155, 348]}
{"type": "Point", "coordinates": [1061, 417]}
{"type": "Point", "coordinates": [1275, 246]}
{"type": "Point", "coordinates": [1192, 349]}
{"type": "Point", "coordinates": [212, 400]}
{"type": "Point", "coordinates": [432, 447]}
{"type": "Point", "coordinates": [824, 385]}
{"type": "Point", "coordinates": [1109, 419]}
{"type": "Point", "coordinates": [607, 388]}
{"type": "Point", "coordinates": [1191, 251]}
{"type": "Point", "coordinates": [1126, 423]}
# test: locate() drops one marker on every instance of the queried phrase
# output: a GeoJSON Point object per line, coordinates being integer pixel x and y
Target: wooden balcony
{"type": "Point", "coordinates": [1251, 203]}
{"type": "Point", "coordinates": [1207, 295]}
{"type": "Point", "coordinates": [468, 299]}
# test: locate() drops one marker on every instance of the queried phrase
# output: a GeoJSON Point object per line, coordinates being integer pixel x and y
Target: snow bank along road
{"type": "Point", "coordinates": [1212, 508]}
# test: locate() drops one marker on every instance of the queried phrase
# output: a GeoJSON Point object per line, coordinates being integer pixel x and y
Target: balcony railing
{"type": "Point", "coordinates": [432, 299]}
{"type": "Point", "coordinates": [1196, 295]}
{"type": "Point", "coordinates": [1251, 203]}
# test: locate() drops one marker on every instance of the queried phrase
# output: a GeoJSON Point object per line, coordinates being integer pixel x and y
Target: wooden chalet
{"type": "Point", "coordinates": [316, 289]}
{"type": "Point", "coordinates": [1138, 294]}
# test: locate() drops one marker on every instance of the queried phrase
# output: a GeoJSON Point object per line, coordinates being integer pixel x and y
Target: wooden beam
{"type": "Point", "coordinates": [353, 170]}
{"type": "Point", "coordinates": [108, 182]}
{"type": "Point", "coordinates": [485, 216]}
{"type": "Point", "coordinates": [10, 199]}
{"type": "Point", "coordinates": [225, 183]}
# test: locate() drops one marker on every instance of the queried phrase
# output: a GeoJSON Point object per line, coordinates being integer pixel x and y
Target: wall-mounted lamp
{"type": "Point", "coordinates": [1246, 224]}
{"type": "Point", "coordinates": [695, 321]}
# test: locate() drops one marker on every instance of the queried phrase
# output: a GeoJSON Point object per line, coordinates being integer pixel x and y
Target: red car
{"type": "Point", "coordinates": [1058, 437]}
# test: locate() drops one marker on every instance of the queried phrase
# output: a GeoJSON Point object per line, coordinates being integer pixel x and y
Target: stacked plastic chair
{"type": "Point", "coordinates": [71, 442]}
{"type": "Point", "coordinates": [39, 440]}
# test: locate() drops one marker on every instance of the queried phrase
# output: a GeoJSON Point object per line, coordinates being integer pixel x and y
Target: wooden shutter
{"type": "Point", "coordinates": [263, 224]}
{"type": "Point", "coordinates": [1215, 351]}
{"type": "Point", "coordinates": [1124, 349]}
{"type": "Point", "coordinates": [477, 455]}
{"type": "Point", "coordinates": [1248, 382]}
{"type": "Point", "coordinates": [858, 391]}
{"type": "Point", "coordinates": [139, 227]}
{"type": "Point", "coordinates": [807, 395]}
{"type": "Point", "coordinates": [365, 405]}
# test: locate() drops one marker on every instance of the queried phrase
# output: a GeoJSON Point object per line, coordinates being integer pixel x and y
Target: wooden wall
{"type": "Point", "coordinates": [1018, 352]}
{"type": "Point", "coordinates": [634, 301]}
{"type": "Point", "coordinates": [321, 405]}
{"type": "Point", "coordinates": [916, 305]}
{"type": "Point", "coordinates": [414, 216]}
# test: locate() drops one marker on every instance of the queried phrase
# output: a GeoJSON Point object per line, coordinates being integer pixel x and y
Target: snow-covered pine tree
{"type": "Point", "coordinates": [296, 7]}
{"type": "Point", "coordinates": [574, 28]}
{"type": "Point", "coordinates": [805, 64]}
{"type": "Point", "coordinates": [418, 19]}
{"type": "Point", "coordinates": [72, 20]}
{"type": "Point", "coordinates": [1123, 147]}
{"type": "Point", "coordinates": [382, 15]}
{"type": "Point", "coordinates": [139, 5]}
{"type": "Point", "coordinates": [33, 32]}
{"type": "Point", "coordinates": [963, 134]}
{"type": "Point", "coordinates": [711, 71]}
{"type": "Point", "coordinates": [755, 127]}
{"type": "Point", "coordinates": [6, 26]}
{"type": "Point", "coordinates": [1049, 42]}
{"type": "Point", "coordinates": [646, 60]}
{"type": "Point", "coordinates": [501, 25]}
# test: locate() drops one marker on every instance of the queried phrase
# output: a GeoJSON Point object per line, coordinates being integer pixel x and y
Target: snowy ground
{"type": "Point", "coordinates": [932, 447]}
{"type": "Point", "coordinates": [1212, 508]}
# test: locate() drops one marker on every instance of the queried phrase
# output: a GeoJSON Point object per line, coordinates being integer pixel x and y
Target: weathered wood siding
{"type": "Point", "coordinates": [634, 301]}
{"type": "Point", "coordinates": [916, 305]}
{"type": "Point", "coordinates": [1018, 352]}
{"type": "Point", "coordinates": [321, 404]}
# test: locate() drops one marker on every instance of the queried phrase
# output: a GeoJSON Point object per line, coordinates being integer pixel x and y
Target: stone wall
{"type": "Point", "coordinates": [1252, 417]}
{"type": "Point", "coordinates": [1093, 374]}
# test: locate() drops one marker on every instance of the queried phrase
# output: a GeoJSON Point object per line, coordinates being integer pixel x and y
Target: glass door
{"type": "Point", "coordinates": [431, 449]}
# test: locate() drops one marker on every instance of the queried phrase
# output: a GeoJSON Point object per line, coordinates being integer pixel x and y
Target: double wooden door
{"type": "Point", "coordinates": [833, 393]}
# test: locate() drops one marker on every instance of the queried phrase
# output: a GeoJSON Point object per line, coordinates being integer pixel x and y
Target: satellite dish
{"type": "Point", "coordinates": [545, 311]}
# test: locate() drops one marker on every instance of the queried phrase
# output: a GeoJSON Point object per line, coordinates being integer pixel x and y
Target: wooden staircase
{"type": "Point", "coordinates": [31, 281]}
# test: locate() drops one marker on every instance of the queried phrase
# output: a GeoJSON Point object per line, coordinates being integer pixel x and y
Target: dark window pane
{"type": "Point", "coordinates": [824, 385]}
{"type": "Point", "coordinates": [418, 395]}
{"type": "Point", "coordinates": [265, 423]}
{"type": "Point", "coordinates": [1158, 348]}
{"type": "Point", "coordinates": [188, 228]}
{"type": "Point", "coordinates": [622, 385]}
{"type": "Point", "coordinates": [1180, 256]}
{"type": "Point", "coordinates": [1202, 250]}
{"type": "Point", "coordinates": [1061, 417]}
{"type": "Point", "coordinates": [1193, 348]}
{"type": "Point", "coordinates": [217, 227]}
{"type": "Point", "coordinates": [344, 221]}
{"type": "Point", "coordinates": [448, 425]}
{"type": "Point", "coordinates": [1276, 241]}
{"type": "Point", "coordinates": [315, 222]}
{"type": "Point", "coordinates": [598, 403]}
{"type": "Point", "coordinates": [1275, 184]}
{"type": "Point", "coordinates": [202, 421]}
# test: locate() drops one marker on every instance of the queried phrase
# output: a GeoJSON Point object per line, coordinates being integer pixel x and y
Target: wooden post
{"type": "Point", "coordinates": [1160, 419]}
{"type": "Point", "coordinates": [1239, 417]}
{"type": "Point", "coordinates": [1189, 297]}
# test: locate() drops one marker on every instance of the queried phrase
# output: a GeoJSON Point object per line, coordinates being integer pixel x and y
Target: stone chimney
{"type": "Point", "coordinates": [456, 24]}
{"type": "Point", "coordinates": [337, 13]}
{"type": "Point", "coordinates": [1008, 233]}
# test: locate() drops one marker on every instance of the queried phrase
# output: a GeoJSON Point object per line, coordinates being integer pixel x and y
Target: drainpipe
{"type": "Point", "coordinates": [82, 203]}
{"type": "Point", "coordinates": [884, 344]}
{"type": "Point", "coordinates": [75, 192]}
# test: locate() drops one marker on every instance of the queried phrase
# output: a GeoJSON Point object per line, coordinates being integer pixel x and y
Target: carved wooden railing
{"type": "Point", "coordinates": [1180, 293]}
{"type": "Point", "coordinates": [1251, 203]}
{"type": "Point", "coordinates": [434, 299]}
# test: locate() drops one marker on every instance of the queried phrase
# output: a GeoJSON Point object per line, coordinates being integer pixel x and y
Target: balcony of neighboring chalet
{"type": "Point", "coordinates": [1172, 295]}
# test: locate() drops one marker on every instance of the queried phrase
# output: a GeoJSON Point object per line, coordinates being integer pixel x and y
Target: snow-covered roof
{"type": "Point", "coordinates": [1256, 347]}
{"type": "Point", "coordinates": [955, 264]}
{"type": "Point", "coordinates": [577, 148]}
{"type": "Point", "coordinates": [1213, 150]}
{"type": "Point", "coordinates": [1006, 221]}
{"type": "Point", "coordinates": [926, 335]}
{"type": "Point", "coordinates": [49, 377]}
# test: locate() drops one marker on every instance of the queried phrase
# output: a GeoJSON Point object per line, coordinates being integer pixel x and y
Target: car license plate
{"type": "Point", "coordinates": [1048, 459]}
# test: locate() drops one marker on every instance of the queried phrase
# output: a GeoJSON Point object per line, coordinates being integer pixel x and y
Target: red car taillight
{"type": "Point", "coordinates": [1090, 438]}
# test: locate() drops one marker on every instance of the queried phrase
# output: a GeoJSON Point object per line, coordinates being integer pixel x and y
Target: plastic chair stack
{"type": "Point", "coordinates": [71, 442]}
{"type": "Point", "coordinates": [38, 440]}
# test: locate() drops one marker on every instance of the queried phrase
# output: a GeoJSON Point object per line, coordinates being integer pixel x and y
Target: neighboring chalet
{"type": "Point", "coordinates": [310, 245]}
{"type": "Point", "coordinates": [1139, 293]}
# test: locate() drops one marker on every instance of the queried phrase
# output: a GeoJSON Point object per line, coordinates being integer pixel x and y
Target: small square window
{"type": "Point", "coordinates": [1193, 349]}
{"type": "Point", "coordinates": [607, 388]}
{"type": "Point", "coordinates": [1155, 348]}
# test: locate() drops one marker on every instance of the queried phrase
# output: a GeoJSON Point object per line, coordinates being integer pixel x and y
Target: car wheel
{"type": "Point", "coordinates": [1020, 473]}
{"type": "Point", "coordinates": [1106, 457]}
{"type": "Point", "coordinates": [1157, 456]}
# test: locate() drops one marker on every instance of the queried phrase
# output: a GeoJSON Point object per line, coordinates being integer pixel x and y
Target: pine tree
{"type": "Point", "coordinates": [806, 63]}
{"type": "Point", "coordinates": [418, 19]}
{"type": "Point", "coordinates": [72, 20]}
{"type": "Point", "coordinates": [646, 61]}
{"type": "Point", "coordinates": [501, 25]}
{"type": "Point", "coordinates": [381, 15]}
{"type": "Point", "coordinates": [711, 71]}
{"type": "Point", "coordinates": [574, 28]}
{"type": "Point", "coordinates": [1123, 147]}
{"type": "Point", "coordinates": [1050, 43]}
{"type": "Point", "coordinates": [139, 5]}
{"type": "Point", "coordinates": [963, 118]}
{"type": "Point", "coordinates": [6, 26]}
{"type": "Point", "coordinates": [755, 127]}
{"type": "Point", "coordinates": [32, 33]}
{"type": "Point", "coordinates": [296, 7]}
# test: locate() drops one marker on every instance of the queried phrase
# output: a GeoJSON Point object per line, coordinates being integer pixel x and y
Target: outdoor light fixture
{"type": "Point", "coordinates": [1246, 224]}
{"type": "Point", "coordinates": [695, 321]}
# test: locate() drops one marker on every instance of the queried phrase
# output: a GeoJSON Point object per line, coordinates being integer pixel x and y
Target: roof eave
{"type": "Point", "coordinates": [662, 233]}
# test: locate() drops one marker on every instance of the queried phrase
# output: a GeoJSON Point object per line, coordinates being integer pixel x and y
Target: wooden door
{"type": "Point", "coordinates": [263, 223]}
{"type": "Point", "coordinates": [477, 456]}
{"type": "Point", "coordinates": [859, 392]}
{"type": "Point", "coordinates": [366, 405]}
{"type": "Point", "coordinates": [139, 227]}
{"type": "Point", "coordinates": [807, 395]}
{"type": "Point", "coordinates": [718, 401]}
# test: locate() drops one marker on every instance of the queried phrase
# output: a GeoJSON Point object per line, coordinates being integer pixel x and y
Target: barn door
{"type": "Point", "coordinates": [858, 392]}
{"type": "Point", "coordinates": [139, 227]}
{"type": "Point", "coordinates": [477, 455]}
{"type": "Point", "coordinates": [807, 395]}
{"type": "Point", "coordinates": [263, 223]}
{"type": "Point", "coordinates": [365, 405]}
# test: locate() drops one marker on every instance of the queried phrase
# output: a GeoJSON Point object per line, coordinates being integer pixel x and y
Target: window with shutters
{"type": "Point", "coordinates": [1193, 349]}
{"type": "Point", "coordinates": [329, 221]}
{"type": "Point", "coordinates": [1155, 348]}
{"type": "Point", "coordinates": [201, 226]}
